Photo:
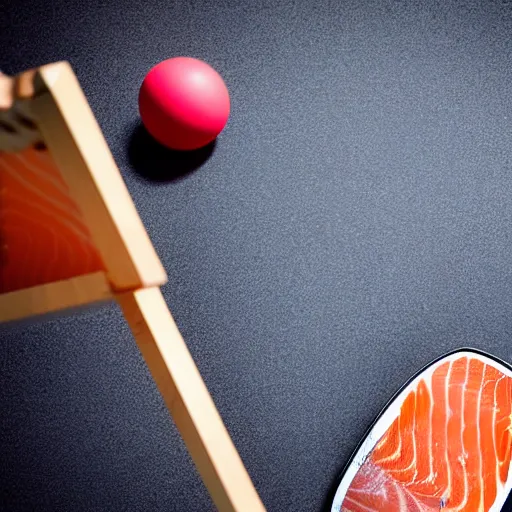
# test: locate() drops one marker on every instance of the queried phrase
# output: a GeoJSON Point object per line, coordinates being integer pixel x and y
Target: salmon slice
{"type": "Point", "coordinates": [443, 444]}
{"type": "Point", "coordinates": [43, 237]}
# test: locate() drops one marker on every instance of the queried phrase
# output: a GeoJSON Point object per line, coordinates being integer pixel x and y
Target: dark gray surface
{"type": "Point", "coordinates": [352, 223]}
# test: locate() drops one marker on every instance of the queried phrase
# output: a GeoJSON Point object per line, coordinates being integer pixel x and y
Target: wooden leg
{"type": "Point", "coordinates": [189, 402]}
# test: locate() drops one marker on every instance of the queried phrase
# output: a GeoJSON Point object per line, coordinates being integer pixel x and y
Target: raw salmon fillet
{"type": "Point", "coordinates": [447, 446]}
{"type": "Point", "coordinates": [43, 237]}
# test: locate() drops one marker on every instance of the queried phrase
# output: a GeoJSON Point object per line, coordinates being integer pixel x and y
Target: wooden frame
{"type": "Point", "coordinates": [95, 183]}
{"type": "Point", "coordinates": [47, 104]}
{"type": "Point", "coordinates": [53, 297]}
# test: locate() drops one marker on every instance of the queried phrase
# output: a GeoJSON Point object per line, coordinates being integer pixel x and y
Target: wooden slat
{"type": "Point", "coordinates": [53, 297]}
{"type": "Point", "coordinates": [6, 91]}
{"type": "Point", "coordinates": [189, 402]}
{"type": "Point", "coordinates": [84, 159]}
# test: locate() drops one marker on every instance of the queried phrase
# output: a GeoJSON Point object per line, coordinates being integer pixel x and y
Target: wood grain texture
{"type": "Point", "coordinates": [84, 159]}
{"type": "Point", "coordinates": [189, 402]}
{"type": "Point", "coordinates": [53, 297]}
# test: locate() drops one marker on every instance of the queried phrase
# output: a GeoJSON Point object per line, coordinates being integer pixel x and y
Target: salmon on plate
{"type": "Point", "coordinates": [442, 444]}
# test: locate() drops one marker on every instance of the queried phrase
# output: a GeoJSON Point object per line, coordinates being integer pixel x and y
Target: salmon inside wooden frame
{"type": "Point", "coordinates": [442, 444]}
{"type": "Point", "coordinates": [70, 236]}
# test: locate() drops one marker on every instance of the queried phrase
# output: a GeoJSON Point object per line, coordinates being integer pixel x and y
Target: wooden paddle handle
{"type": "Point", "coordinates": [189, 402]}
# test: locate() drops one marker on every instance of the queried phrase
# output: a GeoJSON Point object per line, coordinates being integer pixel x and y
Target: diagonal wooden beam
{"type": "Point", "coordinates": [189, 402]}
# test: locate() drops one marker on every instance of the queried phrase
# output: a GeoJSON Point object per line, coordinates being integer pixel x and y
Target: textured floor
{"type": "Point", "coordinates": [353, 222]}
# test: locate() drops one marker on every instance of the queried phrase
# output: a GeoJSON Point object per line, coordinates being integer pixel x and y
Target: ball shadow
{"type": "Point", "coordinates": [154, 162]}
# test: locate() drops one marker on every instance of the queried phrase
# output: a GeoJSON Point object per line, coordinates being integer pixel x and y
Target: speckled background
{"type": "Point", "coordinates": [353, 222]}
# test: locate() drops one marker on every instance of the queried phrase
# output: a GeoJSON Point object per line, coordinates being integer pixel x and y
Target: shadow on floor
{"type": "Point", "coordinates": [156, 163]}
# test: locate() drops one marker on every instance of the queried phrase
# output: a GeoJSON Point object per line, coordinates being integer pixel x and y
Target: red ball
{"type": "Point", "coordinates": [184, 103]}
